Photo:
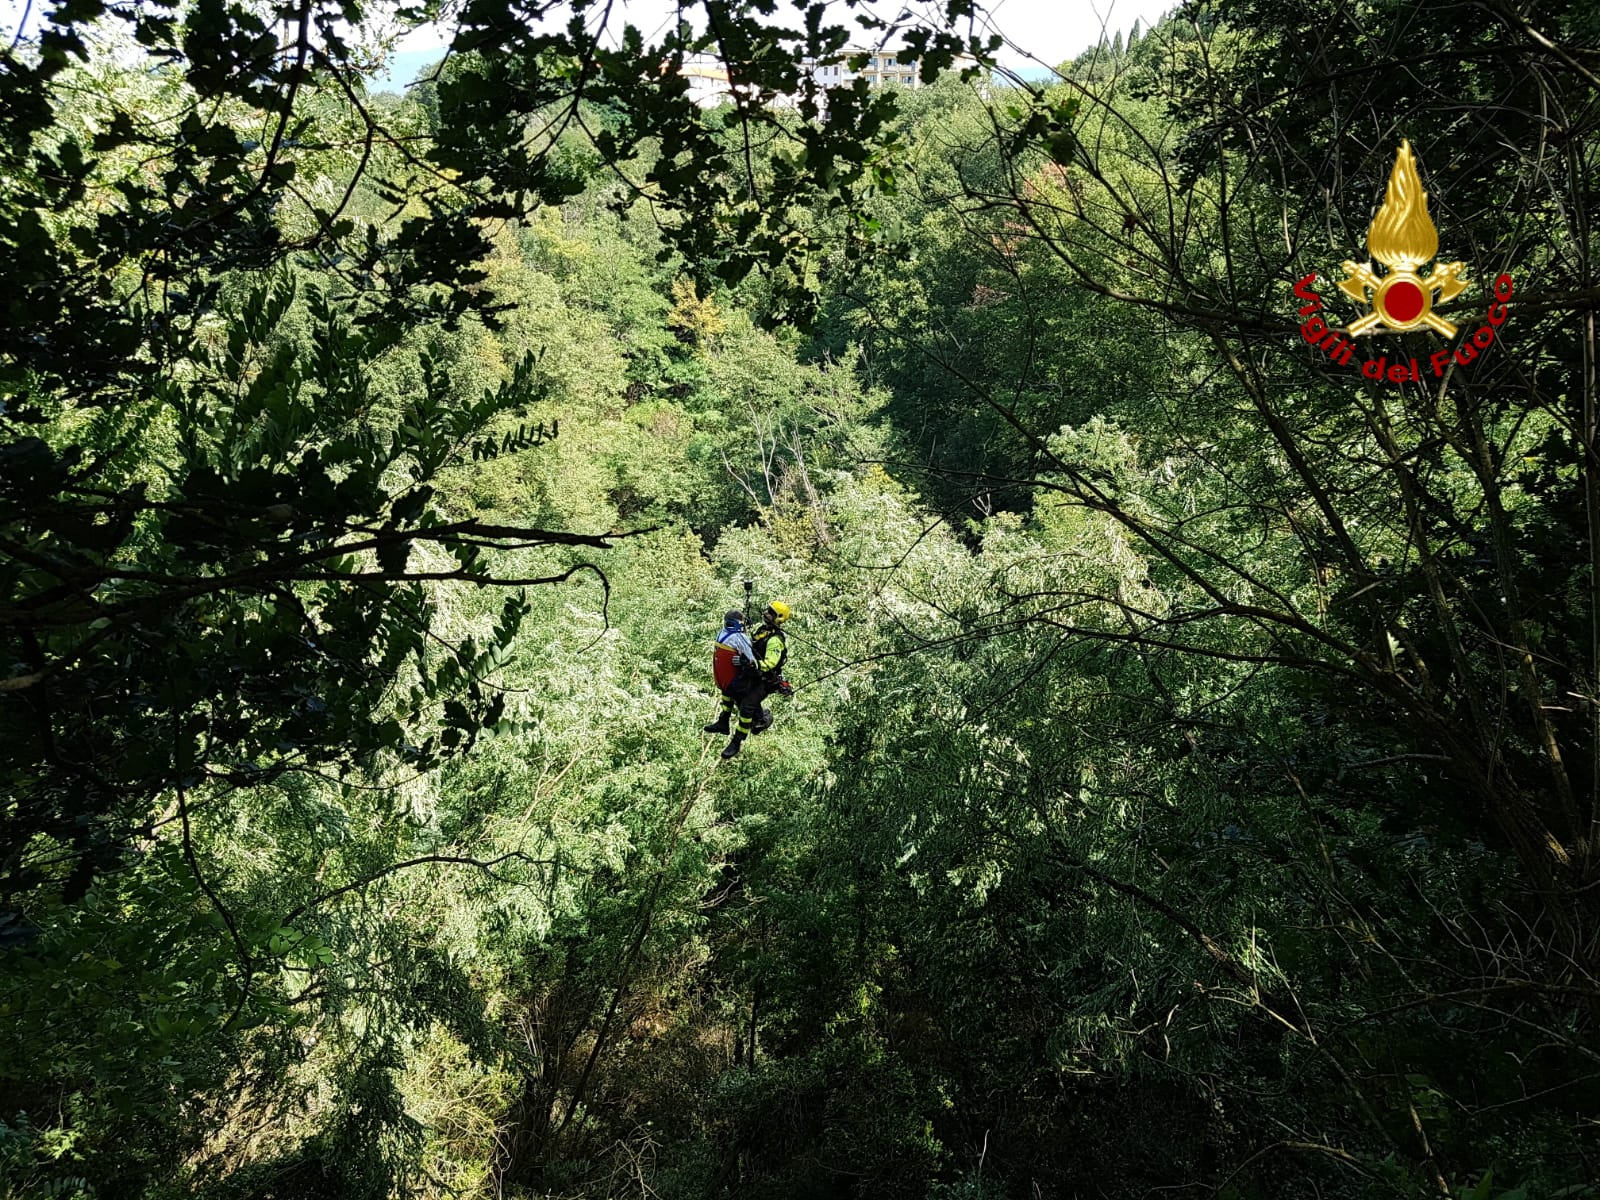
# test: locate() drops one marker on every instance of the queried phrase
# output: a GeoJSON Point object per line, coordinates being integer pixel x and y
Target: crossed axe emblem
{"type": "Point", "coordinates": [1402, 300]}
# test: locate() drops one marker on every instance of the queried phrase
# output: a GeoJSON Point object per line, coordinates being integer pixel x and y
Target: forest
{"type": "Point", "coordinates": [1191, 784]}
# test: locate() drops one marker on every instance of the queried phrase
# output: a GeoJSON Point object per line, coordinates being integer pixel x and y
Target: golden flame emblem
{"type": "Point", "coordinates": [1403, 238]}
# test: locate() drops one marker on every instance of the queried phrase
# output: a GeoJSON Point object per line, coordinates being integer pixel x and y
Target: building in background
{"type": "Point", "coordinates": [708, 80]}
{"type": "Point", "coordinates": [881, 68]}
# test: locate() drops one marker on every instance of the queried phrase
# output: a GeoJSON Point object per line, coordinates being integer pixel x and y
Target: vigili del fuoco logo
{"type": "Point", "coordinates": [1404, 240]}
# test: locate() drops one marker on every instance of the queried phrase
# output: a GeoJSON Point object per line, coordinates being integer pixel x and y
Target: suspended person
{"type": "Point", "coordinates": [756, 660]}
{"type": "Point", "coordinates": [733, 648]}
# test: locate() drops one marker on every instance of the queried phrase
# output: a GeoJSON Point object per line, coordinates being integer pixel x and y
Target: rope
{"type": "Point", "coordinates": [844, 664]}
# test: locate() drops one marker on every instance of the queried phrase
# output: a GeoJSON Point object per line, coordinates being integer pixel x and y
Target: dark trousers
{"type": "Point", "coordinates": [746, 695]}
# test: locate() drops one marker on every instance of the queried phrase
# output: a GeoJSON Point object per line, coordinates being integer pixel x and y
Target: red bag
{"type": "Point", "coordinates": [724, 667]}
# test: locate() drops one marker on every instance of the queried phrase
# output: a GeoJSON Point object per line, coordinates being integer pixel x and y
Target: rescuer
{"type": "Point", "coordinates": [748, 667]}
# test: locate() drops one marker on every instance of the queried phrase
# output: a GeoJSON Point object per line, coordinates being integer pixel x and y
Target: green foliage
{"type": "Point", "coordinates": [1187, 780]}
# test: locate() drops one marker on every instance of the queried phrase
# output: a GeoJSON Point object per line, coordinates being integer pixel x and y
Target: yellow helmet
{"type": "Point", "coordinates": [777, 612]}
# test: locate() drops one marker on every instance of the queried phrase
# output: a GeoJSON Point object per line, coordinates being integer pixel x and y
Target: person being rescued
{"type": "Point", "coordinates": [748, 668]}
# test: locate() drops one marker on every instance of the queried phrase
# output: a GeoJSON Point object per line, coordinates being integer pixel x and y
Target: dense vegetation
{"type": "Point", "coordinates": [1193, 783]}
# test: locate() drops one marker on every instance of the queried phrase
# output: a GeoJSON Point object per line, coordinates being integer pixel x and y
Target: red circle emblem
{"type": "Point", "coordinates": [1403, 301]}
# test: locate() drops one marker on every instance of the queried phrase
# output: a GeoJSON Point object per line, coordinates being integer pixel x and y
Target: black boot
{"type": "Point", "coordinates": [732, 747]}
{"type": "Point", "coordinates": [720, 725]}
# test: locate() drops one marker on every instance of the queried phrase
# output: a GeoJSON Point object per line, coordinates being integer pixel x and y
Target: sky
{"type": "Point", "coordinates": [1040, 33]}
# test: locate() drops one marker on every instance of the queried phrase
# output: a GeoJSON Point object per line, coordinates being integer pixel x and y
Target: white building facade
{"type": "Point", "coordinates": [881, 68]}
